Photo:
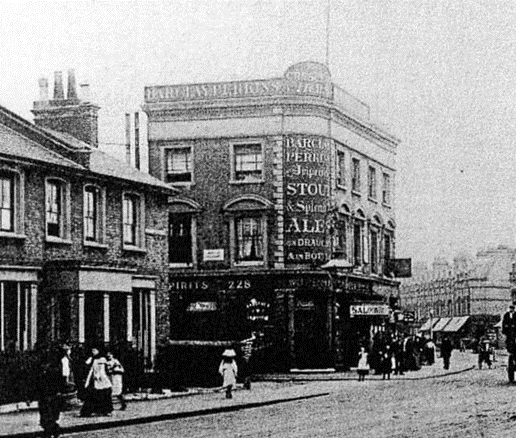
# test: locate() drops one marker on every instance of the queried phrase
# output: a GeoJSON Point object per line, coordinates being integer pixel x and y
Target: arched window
{"type": "Point", "coordinates": [359, 238]}
{"type": "Point", "coordinates": [182, 233]}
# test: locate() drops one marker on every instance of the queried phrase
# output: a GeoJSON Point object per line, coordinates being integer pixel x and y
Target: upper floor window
{"type": "Point", "coordinates": [180, 238]}
{"type": "Point", "coordinates": [132, 220]}
{"type": "Point", "coordinates": [93, 214]}
{"type": "Point", "coordinates": [372, 183]}
{"type": "Point", "coordinates": [340, 246]}
{"type": "Point", "coordinates": [178, 165]}
{"type": "Point", "coordinates": [249, 239]}
{"type": "Point", "coordinates": [386, 189]}
{"type": "Point", "coordinates": [355, 177]}
{"type": "Point", "coordinates": [7, 202]}
{"type": "Point", "coordinates": [374, 251]}
{"type": "Point", "coordinates": [57, 208]}
{"type": "Point", "coordinates": [247, 162]}
{"type": "Point", "coordinates": [341, 169]}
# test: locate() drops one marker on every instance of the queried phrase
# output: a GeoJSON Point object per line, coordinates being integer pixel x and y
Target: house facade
{"type": "Point", "coordinates": [285, 218]}
{"type": "Point", "coordinates": [83, 238]}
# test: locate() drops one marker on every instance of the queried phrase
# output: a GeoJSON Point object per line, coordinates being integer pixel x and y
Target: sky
{"type": "Point", "coordinates": [439, 75]}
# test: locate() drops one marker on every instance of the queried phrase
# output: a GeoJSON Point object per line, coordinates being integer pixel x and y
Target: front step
{"type": "Point", "coordinates": [312, 370]}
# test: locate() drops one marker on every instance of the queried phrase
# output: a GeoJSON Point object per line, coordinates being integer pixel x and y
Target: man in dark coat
{"type": "Point", "coordinates": [446, 350]}
{"type": "Point", "coordinates": [509, 329]}
{"type": "Point", "coordinates": [49, 389]}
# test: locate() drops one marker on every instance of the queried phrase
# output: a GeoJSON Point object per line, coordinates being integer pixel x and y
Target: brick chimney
{"type": "Point", "coordinates": [75, 115]}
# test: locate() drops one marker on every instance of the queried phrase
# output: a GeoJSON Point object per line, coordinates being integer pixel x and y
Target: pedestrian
{"type": "Point", "coordinates": [430, 351]}
{"type": "Point", "coordinates": [397, 351]}
{"type": "Point", "coordinates": [49, 387]}
{"type": "Point", "coordinates": [363, 364]}
{"type": "Point", "coordinates": [115, 371]}
{"type": "Point", "coordinates": [446, 351]}
{"type": "Point", "coordinates": [228, 370]}
{"type": "Point", "coordinates": [386, 363]}
{"type": "Point", "coordinates": [484, 352]}
{"type": "Point", "coordinates": [98, 387]}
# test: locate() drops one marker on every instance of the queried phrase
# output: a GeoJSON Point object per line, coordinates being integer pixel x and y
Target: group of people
{"type": "Point", "coordinates": [103, 383]}
{"type": "Point", "coordinates": [397, 354]}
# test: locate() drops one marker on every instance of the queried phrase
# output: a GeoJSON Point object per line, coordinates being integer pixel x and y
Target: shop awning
{"type": "Point", "coordinates": [455, 324]}
{"type": "Point", "coordinates": [428, 323]}
{"type": "Point", "coordinates": [499, 323]}
{"type": "Point", "coordinates": [441, 324]}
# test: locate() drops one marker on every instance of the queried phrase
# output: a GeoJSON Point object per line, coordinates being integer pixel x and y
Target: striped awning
{"type": "Point", "coordinates": [441, 324]}
{"type": "Point", "coordinates": [428, 323]}
{"type": "Point", "coordinates": [455, 324]}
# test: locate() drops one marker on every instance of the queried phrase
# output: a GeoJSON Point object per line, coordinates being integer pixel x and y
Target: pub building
{"type": "Point", "coordinates": [284, 224]}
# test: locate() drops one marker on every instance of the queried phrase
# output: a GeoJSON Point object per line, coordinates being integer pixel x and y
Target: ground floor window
{"type": "Point", "coordinates": [18, 315]}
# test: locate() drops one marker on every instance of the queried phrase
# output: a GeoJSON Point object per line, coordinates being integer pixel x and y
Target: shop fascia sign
{"type": "Point", "coordinates": [369, 310]}
{"type": "Point", "coordinates": [202, 306]}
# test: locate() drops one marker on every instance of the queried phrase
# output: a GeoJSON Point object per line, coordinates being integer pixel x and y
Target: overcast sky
{"type": "Point", "coordinates": [440, 75]}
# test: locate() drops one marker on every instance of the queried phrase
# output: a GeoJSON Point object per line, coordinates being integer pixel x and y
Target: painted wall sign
{"type": "Point", "coordinates": [257, 310]}
{"type": "Point", "coordinates": [213, 255]}
{"type": "Point", "coordinates": [307, 199]}
{"type": "Point", "coordinates": [369, 309]}
{"type": "Point", "coordinates": [308, 79]}
{"type": "Point", "coordinates": [202, 306]}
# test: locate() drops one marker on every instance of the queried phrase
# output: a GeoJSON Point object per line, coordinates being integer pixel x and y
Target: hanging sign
{"type": "Point", "coordinates": [369, 310]}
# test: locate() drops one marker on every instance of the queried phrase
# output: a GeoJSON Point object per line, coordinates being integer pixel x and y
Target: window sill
{"type": "Point", "coordinates": [59, 240]}
{"type": "Point", "coordinates": [341, 187]}
{"type": "Point", "coordinates": [386, 205]}
{"type": "Point", "coordinates": [180, 265]}
{"type": "Point", "coordinates": [374, 200]}
{"type": "Point", "coordinates": [92, 244]}
{"type": "Point", "coordinates": [133, 248]}
{"type": "Point", "coordinates": [253, 181]}
{"type": "Point", "coordinates": [11, 235]}
{"type": "Point", "coordinates": [355, 193]}
{"type": "Point", "coordinates": [181, 184]}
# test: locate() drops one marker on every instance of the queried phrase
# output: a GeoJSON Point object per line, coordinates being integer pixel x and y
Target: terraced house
{"type": "Point", "coordinates": [279, 179]}
{"type": "Point", "coordinates": [83, 237]}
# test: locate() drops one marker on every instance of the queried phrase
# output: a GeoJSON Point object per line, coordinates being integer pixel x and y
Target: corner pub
{"type": "Point", "coordinates": [284, 218]}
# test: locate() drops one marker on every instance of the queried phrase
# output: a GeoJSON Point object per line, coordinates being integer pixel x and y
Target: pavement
{"type": "Point", "coordinates": [267, 390]}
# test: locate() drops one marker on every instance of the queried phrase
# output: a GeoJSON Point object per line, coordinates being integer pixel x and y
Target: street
{"type": "Point", "coordinates": [476, 403]}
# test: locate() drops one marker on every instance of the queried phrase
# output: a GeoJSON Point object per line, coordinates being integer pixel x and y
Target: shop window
{"type": "Point", "coordinates": [341, 169]}
{"type": "Point", "coordinates": [17, 315]}
{"type": "Point", "coordinates": [180, 238]}
{"type": "Point", "coordinates": [132, 228]}
{"type": "Point", "coordinates": [372, 183]}
{"type": "Point", "coordinates": [249, 239]}
{"type": "Point", "coordinates": [57, 209]}
{"type": "Point", "coordinates": [178, 165]}
{"type": "Point", "coordinates": [247, 165]}
{"type": "Point", "coordinates": [93, 214]}
{"type": "Point", "coordinates": [355, 177]}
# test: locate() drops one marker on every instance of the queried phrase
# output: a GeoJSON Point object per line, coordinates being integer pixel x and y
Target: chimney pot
{"type": "Point", "coordinates": [85, 92]}
{"type": "Point", "coordinates": [43, 89]}
{"type": "Point", "coordinates": [72, 90]}
{"type": "Point", "coordinates": [58, 85]}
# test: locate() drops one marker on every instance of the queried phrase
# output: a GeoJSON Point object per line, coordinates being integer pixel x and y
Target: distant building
{"type": "Point", "coordinates": [83, 237]}
{"type": "Point", "coordinates": [465, 297]}
{"type": "Point", "coordinates": [278, 177]}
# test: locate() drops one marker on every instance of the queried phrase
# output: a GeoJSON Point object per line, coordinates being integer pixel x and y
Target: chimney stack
{"type": "Point", "coordinates": [58, 85]}
{"type": "Point", "coordinates": [43, 89]}
{"type": "Point", "coordinates": [85, 92]}
{"type": "Point", "coordinates": [71, 92]}
{"type": "Point", "coordinates": [72, 115]}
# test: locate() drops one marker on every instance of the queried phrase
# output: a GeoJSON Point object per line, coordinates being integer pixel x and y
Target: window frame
{"type": "Point", "coordinates": [372, 190]}
{"type": "Point", "coordinates": [234, 145]}
{"type": "Point", "coordinates": [259, 219]}
{"type": "Point", "coordinates": [138, 244]}
{"type": "Point", "coordinates": [341, 172]}
{"type": "Point", "coordinates": [64, 215]}
{"type": "Point", "coordinates": [355, 176]}
{"type": "Point", "coordinates": [190, 217]}
{"type": "Point", "coordinates": [17, 179]}
{"type": "Point", "coordinates": [386, 189]}
{"type": "Point", "coordinates": [169, 149]}
{"type": "Point", "coordinates": [100, 216]}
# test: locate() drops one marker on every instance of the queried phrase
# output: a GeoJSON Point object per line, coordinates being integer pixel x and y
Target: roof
{"type": "Point", "coordinates": [455, 324]}
{"type": "Point", "coordinates": [441, 324]}
{"type": "Point", "coordinates": [104, 164]}
{"type": "Point", "coordinates": [15, 144]}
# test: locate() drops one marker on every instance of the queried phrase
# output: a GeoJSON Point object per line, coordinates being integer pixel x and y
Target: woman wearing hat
{"type": "Point", "coordinates": [228, 370]}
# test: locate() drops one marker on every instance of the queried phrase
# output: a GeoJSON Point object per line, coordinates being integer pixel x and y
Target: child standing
{"type": "Point", "coordinates": [363, 364]}
{"type": "Point", "coordinates": [228, 370]}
